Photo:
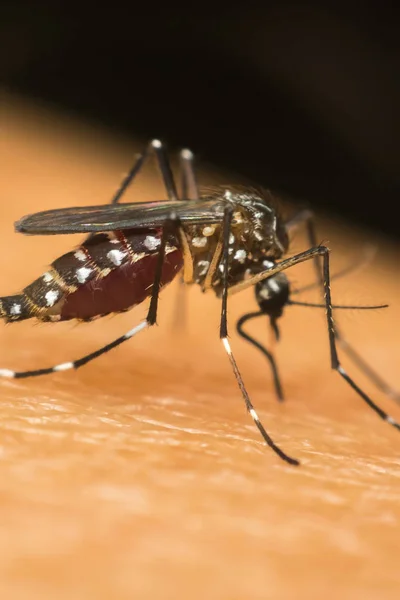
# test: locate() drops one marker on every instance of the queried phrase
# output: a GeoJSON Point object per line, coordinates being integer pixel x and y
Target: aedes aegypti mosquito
{"type": "Point", "coordinates": [225, 239]}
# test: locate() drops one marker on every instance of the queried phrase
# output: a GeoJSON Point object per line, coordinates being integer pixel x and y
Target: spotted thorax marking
{"type": "Point", "coordinates": [237, 218]}
{"type": "Point", "coordinates": [240, 255]}
{"type": "Point", "coordinates": [203, 267]}
{"type": "Point", "coordinates": [228, 195]}
{"type": "Point", "coordinates": [209, 230]}
{"type": "Point", "coordinates": [199, 242]}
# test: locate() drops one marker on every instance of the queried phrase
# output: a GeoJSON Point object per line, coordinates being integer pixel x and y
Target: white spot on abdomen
{"type": "Point", "coordinates": [51, 297]}
{"type": "Point", "coordinates": [15, 309]}
{"type": "Point", "coordinates": [80, 255]}
{"type": "Point", "coordinates": [82, 274]}
{"type": "Point", "coordinates": [116, 257]}
{"type": "Point", "coordinates": [113, 239]}
{"type": "Point", "coordinates": [151, 242]}
{"type": "Point", "coordinates": [47, 277]}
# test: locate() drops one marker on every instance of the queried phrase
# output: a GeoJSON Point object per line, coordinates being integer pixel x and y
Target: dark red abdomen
{"type": "Point", "coordinates": [108, 273]}
{"type": "Point", "coordinates": [123, 288]}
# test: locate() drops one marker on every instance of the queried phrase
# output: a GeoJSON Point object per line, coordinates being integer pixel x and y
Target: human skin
{"type": "Point", "coordinates": [141, 475]}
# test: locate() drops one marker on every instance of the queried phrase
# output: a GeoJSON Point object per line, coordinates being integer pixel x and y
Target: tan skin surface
{"type": "Point", "coordinates": [141, 475]}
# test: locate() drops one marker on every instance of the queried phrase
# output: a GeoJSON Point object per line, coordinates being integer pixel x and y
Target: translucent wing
{"type": "Point", "coordinates": [87, 219]}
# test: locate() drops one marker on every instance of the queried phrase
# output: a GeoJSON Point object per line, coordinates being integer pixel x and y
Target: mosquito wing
{"type": "Point", "coordinates": [87, 219]}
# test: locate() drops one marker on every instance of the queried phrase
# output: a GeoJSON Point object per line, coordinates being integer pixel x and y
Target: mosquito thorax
{"type": "Point", "coordinates": [257, 212]}
{"type": "Point", "coordinates": [257, 232]}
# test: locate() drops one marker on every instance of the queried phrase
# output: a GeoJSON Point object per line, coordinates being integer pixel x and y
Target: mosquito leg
{"type": "Point", "coordinates": [171, 224]}
{"type": "Point", "coordinates": [150, 320]}
{"type": "Point", "coordinates": [190, 190]}
{"type": "Point", "coordinates": [297, 219]}
{"type": "Point", "coordinates": [369, 254]}
{"type": "Point", "coordinates": [125, 183]}
{"type": "Point", "coordinates": [358, 360]}
{"type": "Point", "coordinates": [166, 173]}
{"type": "Point", "coordinates": [165, 168]}
{"type": "Point", "coordinates": [364, 367]}
{"type": "Point", "coordinates": [224, 338]}
{"type": "Point", "coordinates": [159, 150]}
{"type": "Point", "coordinates": [76, 363]}
{"type": "Point", "coordinates": [335, 363]}
{"type": "Point", "coordinates": [333, 338]}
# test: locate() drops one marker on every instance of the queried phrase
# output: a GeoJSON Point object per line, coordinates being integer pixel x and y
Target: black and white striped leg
{"type": "Point", "coordinates": [66, 366]}
{"type": "Point", "coordinates": [357, 359]}
{"type": "Point", "coordinates": [225, 341]}
{"type": "Point", "coordinates": [150, 320]}
{"type": "Point", "coordinates": [166, 173]}
{"type": "Point", "coordinates": [310, 254]}
{"type": "Point", "coordinates": [333, 338]}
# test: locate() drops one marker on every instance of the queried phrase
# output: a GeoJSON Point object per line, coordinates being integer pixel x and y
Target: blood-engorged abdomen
{"type": "Point", "coordinates": [108, 273]}
{"type": "Point", "coordinates": [121, 289]}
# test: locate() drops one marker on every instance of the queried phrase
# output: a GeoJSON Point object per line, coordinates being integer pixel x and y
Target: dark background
{"type": "Point", "coordinates": [301, 97]}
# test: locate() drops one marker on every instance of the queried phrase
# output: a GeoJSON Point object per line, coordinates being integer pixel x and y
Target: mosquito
{"type": "Point", "coordinates": [225, 239]}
